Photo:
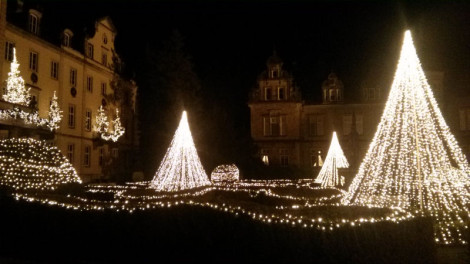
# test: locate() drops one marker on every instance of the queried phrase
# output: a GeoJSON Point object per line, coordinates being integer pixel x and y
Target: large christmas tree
{"type": "Point", "coordinates": [414, 161]}
{"type": "Point", "coordinates": [181, 168]}
{"type": "Point", "coordinates": [328, 176]}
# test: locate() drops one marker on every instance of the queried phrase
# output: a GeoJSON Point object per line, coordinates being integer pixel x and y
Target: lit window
{"type": "Point", "coordinates": [88, 120]}
{"type": "Point", "coordinates": [89, 84]}
{"type": "Point", "coordinates": [71, 120]}
{"type": "Point", "coordinates": [86, 156]}
{"type": "Point", "coordinates": [265, 156]}
{"type": "Point", "coordinates": [33, 61]}
{"type": "Point", "coordinates": [9, 51]}
{"type": "Point", "coordinates": [54, 70]}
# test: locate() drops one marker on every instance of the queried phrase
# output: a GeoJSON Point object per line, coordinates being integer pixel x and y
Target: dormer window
{"type": "Point", "coordinates": [67, 38]}
{"type": "Point", "coordinates": [33, 21]}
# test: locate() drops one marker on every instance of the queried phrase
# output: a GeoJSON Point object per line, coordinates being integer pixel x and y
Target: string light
{"type": "Point", "coordinates": [26, 163]}
{"type": "Point", "coordinates": [16, 91]}
{"type": "Point", "coordinates": [413, 161]}
{"type": "Point", "coordinates": [102, 126]}
{"type": "Point", "coordinates": [55, 114]}
{"type": "Point", "coordinates": [225, 173]}
{"type": "Point", "coordinates": [335, 159]}
{"type": "Point", "coordinates": [181, 168]}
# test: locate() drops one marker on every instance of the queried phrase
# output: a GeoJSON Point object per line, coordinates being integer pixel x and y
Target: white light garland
{"type": "Point", "coordinates": [181, 168]}
{"type": "Point", "coordinates": [225, 173]}
{"type": "Point", "coordinates": [328, 176]}
{"type": "Point", "coordinates": [102, 126]}
{"type": "Point", "coordinates": [26, 163]}
{"type": "Point", "coordinates": [16, 91]}
{"type": "Point", "coordinates": [414, 161]}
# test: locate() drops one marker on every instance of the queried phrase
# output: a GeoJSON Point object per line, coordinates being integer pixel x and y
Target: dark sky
{"type": "Point", "coordinates": [229, 41]}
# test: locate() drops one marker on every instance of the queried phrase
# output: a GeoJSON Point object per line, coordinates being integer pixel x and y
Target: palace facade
{"type": "Point", "coordinates": [83, 70]}
{"type": "Point", "coordinates": [294, 134]}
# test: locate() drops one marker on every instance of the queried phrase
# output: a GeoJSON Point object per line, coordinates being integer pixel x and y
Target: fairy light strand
{"type": "Point", "coordinates": [181, 168]}
{"type": "Point", "coordinates": [412, 130]}
{"type": "Point", "coordinates": [328, 176]}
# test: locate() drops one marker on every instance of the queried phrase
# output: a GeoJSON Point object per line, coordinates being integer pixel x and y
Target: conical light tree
{"type": "Point", "coordinates": [181, 168]}
{"type": "Point", "coordinates": [328, 176]}
{"type": "Point", "coordinates": [413, 161]}
{"type": "Point", "coordinates": [16, 92]}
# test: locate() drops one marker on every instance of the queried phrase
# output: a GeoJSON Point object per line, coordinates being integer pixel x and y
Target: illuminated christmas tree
{"type": "Point", "coordinates": [16, 91]}
{"type": "Point", "coordinates": [101, 122]}
{"type": "Point", "coordinates": [55, 114]}
{"type": "Point", "coordinates": [181, 168]}
{"type": "Point", "coordinates": [328, 176]}
{"type": "Point", "coordinates": [413, 161]}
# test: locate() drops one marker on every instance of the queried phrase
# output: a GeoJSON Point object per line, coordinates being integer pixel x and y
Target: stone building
{"type": "Point", "coordinates": [294, 134]}
{"type": "Point", "coordinates": [82, 67]}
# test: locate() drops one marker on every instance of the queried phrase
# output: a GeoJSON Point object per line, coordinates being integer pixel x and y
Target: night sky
{"type": "Point", "coordinates": [230, 41]}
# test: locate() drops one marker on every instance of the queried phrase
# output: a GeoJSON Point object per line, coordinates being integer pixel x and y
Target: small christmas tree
{"type": "Point", "coordinates": [55, 114]}
{"type": "Point", "coordinates": [16, 91]}
{"type": "Point", "coordinates": [181, 168]}
{"type": "Point", "coordinates": [328, 176]}
{"type": "Point", "coordinates": [414, 161]}
{"type": "Point", "coordinates": [101, 122]}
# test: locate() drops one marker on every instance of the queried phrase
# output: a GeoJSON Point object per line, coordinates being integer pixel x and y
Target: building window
{"type": "Point", "coordinates": [274, 125]}
{"type": "Point", "coordinates": [73, 77]}
{"type": "Point", "coordinates": [90, 50]}
{"type": "Point", "coordinates": [315, 125]}
{"type": "Point", "coordinates": [88, 120]}
{"type": "Point", "coordinates": [101, 157]}
{"type": "Point", "coordinates": [360, 124]}
{"type": "Point", "coordinates": [33, 24]}
{"type": "Point", "coordinates": [104, 58]}
{"type": "Point", "coordinates": [347, 123]}
{"type": "Point", "coordinates": [33, 61]}
{"type": "Point", "coordinates": [274, 73]}
{"type": "Point", "coordinates": [265, 156]}
{"type": "Point", "coordinates": [9, 50]}
{"type": "Point", "coordinates": [115, 153]}
{"type": "Point", "coordinates": [105, 39]}
{"type": "Point", "coordinates": [282, 93]}
{"type": "Point", "coordinates": [89, 84]}
{"type": "Point", "coordinates": [71, 120]}
{"type": "Point", "coordinates": [284, 157]}
{"type": "Point", "coordinates": [54, 70]}
{"type": "Point", "coordinates": [70, 152]}
{"type": "Point", "coordinates": [317, 160]}
{"type": "Point", "coordinates": [464, 119]}
{"type": "Point", "coordinates": [103, 88]}
{"type": "Point", "coordinates": [268, 93]}
{"type": "Point", "coordinates": [332, 95]}
{"type": "Point", "coordinates": [87, 156]}
{"type": "Point", "coordinates": [66, 40]}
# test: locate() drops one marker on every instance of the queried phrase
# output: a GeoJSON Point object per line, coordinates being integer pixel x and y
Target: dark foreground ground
{"type": "Point", "coordinates": [34, 233]}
